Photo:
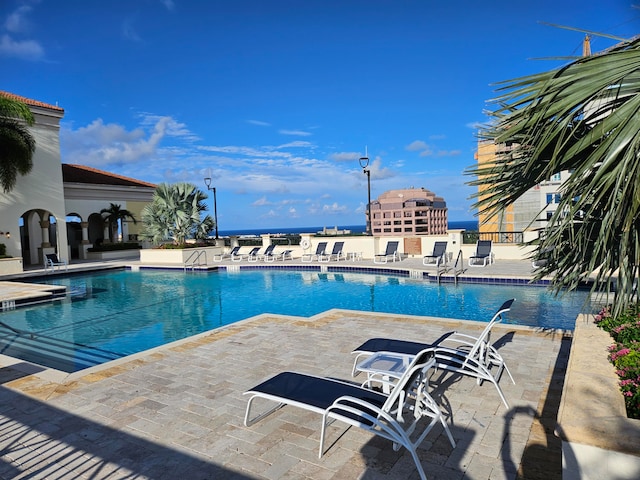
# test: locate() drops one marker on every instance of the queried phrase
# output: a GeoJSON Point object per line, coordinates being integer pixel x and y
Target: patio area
{"type": "Point", "coordinates": [177, 412]}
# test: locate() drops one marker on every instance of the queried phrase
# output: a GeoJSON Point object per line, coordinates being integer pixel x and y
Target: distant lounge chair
{"type": "Point", "coordinates": [233, 254]}
{"type": "Point", "coordinates": [252, 256]}
{"type": "Point", "coordinates": [51, 261]}
{"type": "Point", "coordinates": [267, 254]}
{"type": "Point", "coordinates": [483, 255]}
{"type": "Point", "coordinates": [335, 254]}
{"type": "Point", "coordinates": [438, 256]}
{"type": "Point", "coordinates": [390, 253]}
{"type": "Point", "coordinates": [320, 251]}
{"type": "Point", "coordinates": [270, 256]}
{"type": "Point", "coordinates": [375, 412]}
{"type": "Point", "coordinates": [541, 258]}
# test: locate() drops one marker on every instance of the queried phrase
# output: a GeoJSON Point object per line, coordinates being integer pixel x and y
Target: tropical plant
{"type": "Point", "coordinates": [17, 146]}
{"type": "Point", "coordinates": [584, 118]}
{"type": "Point", "coordinates": [114, 216]}
{"type": "Point", "coordinates": [175, 214]}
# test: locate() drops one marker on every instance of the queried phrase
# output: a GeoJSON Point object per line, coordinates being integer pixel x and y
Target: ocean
{"type": "Point", "coordinates": [470, 225]}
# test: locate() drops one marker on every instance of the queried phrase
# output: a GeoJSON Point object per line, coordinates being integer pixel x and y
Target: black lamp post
{"type": "Point", "coordinates": [364, 163]}
{"type": "Point", "coordinates": [207, 182]}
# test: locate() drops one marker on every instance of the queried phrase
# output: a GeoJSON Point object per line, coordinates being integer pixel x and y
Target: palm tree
{"type": "Point", "coordinates": [584, 118]}
{"type": "Point", "coordinates": [17, 146]}
{"type": "Point", "coordinates": [175, 214]}
{"type": "Point", "coordinates": [114, 216]}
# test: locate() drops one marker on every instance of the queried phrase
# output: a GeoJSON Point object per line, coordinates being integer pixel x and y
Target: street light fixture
{"type": "Point", "coordinates": [364, 163]}
{"type": "Point", "coordinates": [207, 182]}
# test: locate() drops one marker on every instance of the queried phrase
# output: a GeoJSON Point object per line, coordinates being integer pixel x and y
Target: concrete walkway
{"type": "Point", "coordinates": [177, 412]}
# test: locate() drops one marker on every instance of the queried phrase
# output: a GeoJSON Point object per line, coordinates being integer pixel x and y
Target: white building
{"type": "Point", "coordinates": [33, 216]}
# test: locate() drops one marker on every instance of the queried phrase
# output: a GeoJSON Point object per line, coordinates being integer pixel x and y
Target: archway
{"type": "Point", "coordinates": [74, 234]}
{"type": "Point", "coordinates": [96, 229]}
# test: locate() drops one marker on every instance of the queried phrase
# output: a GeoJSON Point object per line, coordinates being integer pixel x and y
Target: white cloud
{"type": "Point", "coordinates": [129, 32]}
{"type": "Point", "coordinates": [334, 208]}
{"type": "Point", "coordinates": [261, 202]}
{"type": "Point", "coordinates": [169, 5]}
{"type": "Point", "coordinates": [16, 21]}
{"type": "Point", "coordinates": [299, 133]}
{"type": "Point", "coordinates": [25, 49]}
{"type": "Point", "coordinates": [345, 156]}
{"type": "Point", "coordinates": [259, 123]}
{"type": "Point", "coordinates": [417, 145]}
{"type": "Point", "coordinates": [100, 144]}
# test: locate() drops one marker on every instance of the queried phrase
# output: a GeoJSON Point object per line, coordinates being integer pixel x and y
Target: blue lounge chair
{"type": "Point", "coordinates": [252, 256]}
{"type": "Point", "coordinates": [483, 255]}
{"type": "Point", "coordinates": [335, 254]}
{"type": "Point", "coordinates": [376, 412]}
{"type": "Point", "coordinates": [268, 253]}
{"type": "Point", "coordinates": [438, 256]}
{"type": "Point", "coordinates": [320, 251]}
{"type": "Point", "coordinates": [234, 255]}
{"type": "Point", "coordinates": [51, 261]}
{"type": "Point", "coordinates": [390, 253]}
{"type": "Point", "coordinates": [270, 256]}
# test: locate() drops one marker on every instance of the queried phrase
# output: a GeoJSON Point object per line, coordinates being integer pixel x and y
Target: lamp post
{"type": "Point", "coordinates": [207, 182]}
{"type": "Point", "coordinates": [364, 163]}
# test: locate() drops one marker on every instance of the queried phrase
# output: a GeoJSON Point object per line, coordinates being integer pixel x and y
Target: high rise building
{"type": "Point", "coordinates": [409, 212]}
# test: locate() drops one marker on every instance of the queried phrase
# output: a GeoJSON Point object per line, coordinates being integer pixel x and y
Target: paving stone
{"type": "Point", "coordinates": [173, 414]}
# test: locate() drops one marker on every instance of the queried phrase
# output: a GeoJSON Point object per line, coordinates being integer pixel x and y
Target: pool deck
{"type": "Point", "coordinates": [177, 411]}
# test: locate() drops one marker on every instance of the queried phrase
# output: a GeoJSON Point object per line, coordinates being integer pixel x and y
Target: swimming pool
{"type": "Point", "coordinates": [110, 315]}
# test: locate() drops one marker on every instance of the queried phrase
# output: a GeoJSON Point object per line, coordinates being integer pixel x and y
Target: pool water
{"type": "Point", "coordinates": [114, 314]}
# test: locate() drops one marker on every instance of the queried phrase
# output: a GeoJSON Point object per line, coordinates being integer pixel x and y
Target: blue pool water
{"type": "Point", "coordinates": [114, 314]}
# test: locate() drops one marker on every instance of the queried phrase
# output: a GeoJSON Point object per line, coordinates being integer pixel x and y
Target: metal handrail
{"type": "Point", "coordinates": [458, 267]}
{"type": "Point", "coordinates": [196, 261]}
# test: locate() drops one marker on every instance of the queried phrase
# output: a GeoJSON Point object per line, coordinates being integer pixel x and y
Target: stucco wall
{"type": "Point", "coordinates": [39, 190]}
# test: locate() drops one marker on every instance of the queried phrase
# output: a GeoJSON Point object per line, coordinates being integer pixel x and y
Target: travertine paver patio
{"type": "Point", "coordinates": [178, 412]}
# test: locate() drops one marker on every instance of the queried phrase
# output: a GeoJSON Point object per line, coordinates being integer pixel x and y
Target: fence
{"type": "Point", "coordinates": [495, 237]}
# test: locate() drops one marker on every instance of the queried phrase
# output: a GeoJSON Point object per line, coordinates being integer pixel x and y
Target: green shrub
{"type": "Point", "coordinates": [3, 250]}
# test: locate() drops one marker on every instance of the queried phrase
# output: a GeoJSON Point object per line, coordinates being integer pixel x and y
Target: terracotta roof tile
{"type": "Point", "coordinates": [28, 101]}
{"type": "Point", "coordinates": [83, 174]}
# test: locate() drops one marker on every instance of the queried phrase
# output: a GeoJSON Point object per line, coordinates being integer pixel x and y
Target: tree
{"type": "Point", "coordinates": [114, 216]}
{"type": "Point", "coordinates": [585, 118]}
{"type": "Point", "coordinates": [17, 145]}
{"type": "Point", "coordinates": [175, 214]}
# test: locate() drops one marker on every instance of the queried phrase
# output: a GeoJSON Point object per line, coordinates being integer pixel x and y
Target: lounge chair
{"type": "Point", "coordinates": [270, 256]}
{"type": "Point", "coordinates": [252, 256]}
{"type": "Point", "coordinates": [320, 251]}
{"type": "Point", "coordinates": [233, 254]}
{"type": "Point", "coordinates": [376, 412]}
{"type": "Point", "coordinates": [471, 356]}
{"type": "Point", "coordinates": [51, 261]}
{"type": "Point", "coordinates": [438, 256]}
{"type": "Point", "coordinates": [542, 257]}
{"type": "Point", "coordinates": [483, 255]}
{"type": "Point", "coordinates": [335, 254]}
{"type": "Point", "coordinates": [390, 253]}
{"type": "Point", "coordinates": [267, 254]}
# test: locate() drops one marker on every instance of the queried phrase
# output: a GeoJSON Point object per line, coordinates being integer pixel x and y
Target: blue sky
{"type": "Point", "coordinates": [278, 99]}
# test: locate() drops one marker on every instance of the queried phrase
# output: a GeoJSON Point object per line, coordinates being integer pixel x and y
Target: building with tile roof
{"type": "Point", "coordinates": [56, 207]}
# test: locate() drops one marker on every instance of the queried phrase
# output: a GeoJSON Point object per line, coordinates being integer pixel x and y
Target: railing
{"type": "Point", "coordinates": [196, 261]}
{"type": "Point", "coordinates": [495, 237]}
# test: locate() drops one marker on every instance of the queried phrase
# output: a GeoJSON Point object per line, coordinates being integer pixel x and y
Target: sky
{"type": "Point", "coordinates": [277, 100]}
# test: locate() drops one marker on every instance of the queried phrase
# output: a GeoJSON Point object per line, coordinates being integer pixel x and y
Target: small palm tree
{"type": "Point", "coordinates": [17, 146]}
{"type": "Point", "coordinates": [584, 118]}
{"type": "Point", "coordinates": [114, 216]}
{"type": "Point", "coordinates": [175, 213]}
